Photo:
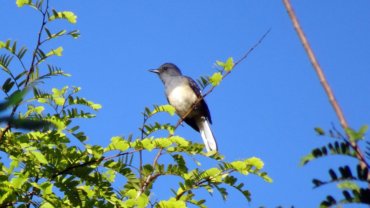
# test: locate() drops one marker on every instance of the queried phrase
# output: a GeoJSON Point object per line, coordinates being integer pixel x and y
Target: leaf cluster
{"type": "Point", "coordinates": [354, 183]}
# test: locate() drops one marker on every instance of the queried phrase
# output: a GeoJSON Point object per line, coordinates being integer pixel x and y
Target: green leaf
{"type": "Point", "coordinates": [132, 193]}
{"type": "Point", "coordinates": [142, 201]}
{"type": "Point", "coordinates": [163, 108]}
{"type": "Point", "coordinates": [67, 15]}
{"type": "Point", "coordinates": [229, 64]}
{"type": "Point", "coordinates": [265, 177]}
{"type": "Point", "coordinates": [13, 164]}
{"type": "Point", "coordinates": [47, 205]}
{"type": "Point", "coordinates": [57, 122]}
{"type": "Point", "coordinates": [34, 110]}
{"type": "Point", "coordinates": [95, 106]}
{"type": "Point", "coordinates": [59, 101]}
{"type": "Point", "coordinates": [55, 52]}
{"type": "Point", "coordinates": [148, 144]}
{"type": "Point", "coordinates": [256, 162]}
{"type": "Point", "coordinates": [180, 141]}
{"type": "Point", "coordinates": [348, 185]}
{"type": "Point", "coordinates": [117, 143]}
{"type": "Point", "coordinates": [319, 131]}
{"type": "Point", "coordinates": [172, 203]}
{"type": "Point", "coordinates": [8, 85]}
{"type": "Point", "coordinates": [39, 109]}
{"type": "Point", "coordinates": [220, 63]}
{"type": "Point", "coordinates": [336, 148]}
{"type": "Point", "coordinates": [21, 3]}
{"type": "Point", "coordinates": [355, 136]}
{"type": "Point", "coordinates": [240, 166]}
{"type": "Point", "coordinates": [95, 150]}
{"type": "Point", "coordinates": [75, 34]}
{"type": "Point", "coordinates": [46, 188]}
{"type": "Point", "coordinates": [83, 101]}
{"type": "Point", "coordinates": [18, 181]}
{"type": "Point", "coordinates": [214, 174]}
{"type": "Point", "coordinates": [39, 156]}
{"type": "Point", "coordinates": [42, 100]}
{"type": "Point", "coordinates": [216, 78]}
{"type": "Point", "coordinates": [163, 142]}
{"type": "Point", "coordinates": [59, 93]}
{"type": "Point", "coordinates": [363, 130]}
{"type": "Point", "coordinates": [14, 99]}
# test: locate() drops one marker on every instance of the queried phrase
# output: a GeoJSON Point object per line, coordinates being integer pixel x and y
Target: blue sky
{"type": "Point", "coordinates": [266, 108]}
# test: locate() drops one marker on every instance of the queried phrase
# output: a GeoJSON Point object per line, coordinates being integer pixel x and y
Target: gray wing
{"type": "Point", "coordinates": [202, 107]}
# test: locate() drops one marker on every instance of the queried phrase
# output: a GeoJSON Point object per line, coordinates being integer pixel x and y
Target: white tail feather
{"type": "Point", "coordinates": [207, 135]}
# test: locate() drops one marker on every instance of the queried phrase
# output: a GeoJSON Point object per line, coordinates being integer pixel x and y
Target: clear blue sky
{"type": "Point", "coordinates": [267, 108]}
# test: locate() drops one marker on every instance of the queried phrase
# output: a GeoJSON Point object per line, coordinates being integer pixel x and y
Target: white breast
{"type": "Point", "coordinates": [181, 99]}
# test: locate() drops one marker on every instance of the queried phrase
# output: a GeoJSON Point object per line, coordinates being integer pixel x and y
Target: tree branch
{"type": "Point", "coordinates": [316, 66]}
{"type": "Point", "coordinates": [223, 77]}
{"type": "Point", "coordinates": [32, 67]}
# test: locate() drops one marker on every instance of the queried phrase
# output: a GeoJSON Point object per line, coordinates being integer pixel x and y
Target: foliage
{"type": "Point", "coordinates": [224, 68]}
{"type": "Point", "coordinates": [54, 166]}
{"type": "Point", "coordinates": [354, 182]}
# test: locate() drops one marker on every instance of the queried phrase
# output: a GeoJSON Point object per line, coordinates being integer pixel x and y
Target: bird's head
{"type": "Point", "coordinates": [167, 70]}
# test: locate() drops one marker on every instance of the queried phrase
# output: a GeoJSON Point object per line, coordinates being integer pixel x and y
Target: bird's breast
{"type": "Point", "coordinates": [182, 98]}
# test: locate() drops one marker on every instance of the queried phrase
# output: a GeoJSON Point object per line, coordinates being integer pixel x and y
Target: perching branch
{"type": "Point", "coordinates": [315, 64]}
{"type": "Point", "coordinates": [152, 176]}
{"type": "Point", "coordinates": [223, 77]}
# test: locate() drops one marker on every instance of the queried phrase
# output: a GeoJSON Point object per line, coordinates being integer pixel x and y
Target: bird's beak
{"type": "Point", "coordinates": [154, 71]}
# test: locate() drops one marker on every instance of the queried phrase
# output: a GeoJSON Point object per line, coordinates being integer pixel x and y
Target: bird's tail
{"type": "Point", "coordinates": [207, 135]}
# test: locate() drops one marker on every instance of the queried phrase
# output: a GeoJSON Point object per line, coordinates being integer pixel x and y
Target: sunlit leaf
{"type": "Point", "coordinates": [39, 156]}
{"type": "Point", "coordinates": [229, 64]}
{"type": "Point", "coordinates": [215, 79]}
{"type": "Point", "coordinates": [67, 15]}
{"type": "Point", "coordinates": [55, 52]}
{"type": "Point", "coordinates": [256, 162]}
{"type": "Point", "coordinates": [118, 143]}
{"type": "Point", "coordinates": [348, 185]}
{"type": "Point", "coordinates": [21, 3]}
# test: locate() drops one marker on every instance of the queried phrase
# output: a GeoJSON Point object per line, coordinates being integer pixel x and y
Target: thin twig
{"type": "Point", "coordinates": [223, 77]}
{"type": "Point", "coordinates": [32, 67]}
{"type": "Point", "coordinates": [32, 193]}
{"type": "Point", "coordinates": [150, 177]}
{"type": "Point", "coordinates": [44, 22]}
{"type": "Point", "coordinates": [342, 137]}
{"type": "Point", "coordinates": [141, 152]}
{"type": "Point", "coordinates": [322, 78]}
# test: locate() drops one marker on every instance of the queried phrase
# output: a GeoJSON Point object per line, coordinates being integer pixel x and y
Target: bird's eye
{"type": "Point", "coordinates": [165, 68]}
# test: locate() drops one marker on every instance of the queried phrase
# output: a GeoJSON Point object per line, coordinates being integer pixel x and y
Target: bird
{"type": "Point", "coordinates": [182, 93]}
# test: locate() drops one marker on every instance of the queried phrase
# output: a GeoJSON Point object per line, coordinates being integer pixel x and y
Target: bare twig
{"type": "Point", "coordinates": [150, 177]}
{"type": "Point", "coordinates": [141, 152]}
{"type": "Point", "coordinates": [322, 78]}
{"type": "Point", "coordinates": [342, 137]}
{"type": "Point", "coordinates": [223, 77]}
